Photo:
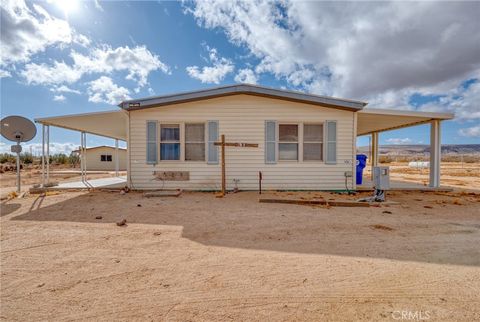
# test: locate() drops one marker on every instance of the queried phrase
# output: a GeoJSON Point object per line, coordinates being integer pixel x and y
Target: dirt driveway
{"type": "Point", "coordinates": [200, 258]}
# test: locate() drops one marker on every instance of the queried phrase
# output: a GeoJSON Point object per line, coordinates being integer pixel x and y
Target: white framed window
{"type": "Point", "coordinates": [313, 142]}
{"type": "Point", "coordinates": [288, 142]}
{"type": "Point", "coordinates": [169, 142]}
{"type": "Point", "coordinates": [194, 141]}
{"type": "Point", "coordinates": [106, 158]}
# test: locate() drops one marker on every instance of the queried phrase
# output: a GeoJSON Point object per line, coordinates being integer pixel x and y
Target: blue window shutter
{"type": "Point", "coordinates": [331, 146]}
{"type": "Point", "coordinates": [212, 138]}
{"type": "Point", "coordinates": [152, 142]}
{"type": "Point", "coordinates": [270, 142]}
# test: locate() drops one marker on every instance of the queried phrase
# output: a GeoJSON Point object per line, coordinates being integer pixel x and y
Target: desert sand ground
{"type": "Point", "coordinates": [199, 258]}
{"type": "Point", "coordinates": [453, 174]}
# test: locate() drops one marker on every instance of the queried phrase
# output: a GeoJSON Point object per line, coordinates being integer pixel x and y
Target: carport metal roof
{"type": "Point", "coordinates": [372, 120]}
{"type": "Point", "coordinates": [111, 124]}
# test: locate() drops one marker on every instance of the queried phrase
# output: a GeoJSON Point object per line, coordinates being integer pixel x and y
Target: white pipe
{"type": "Point", "coordinates": [374, 160]}
{"type": "Point", "coordinates": [81, 155]}
{"type": "Point", "coordinates": [48, 153]}
{"type": "Point", "coordinates": [435, 152]}
{"type": "Point", "coordinates": [19, 182]}
{"type": "Point", "coordinates": [43, 155]}
{"type": "Point", "coordinates": [85, 154]}
{"type": "Point", "coordinates": [116, 158]}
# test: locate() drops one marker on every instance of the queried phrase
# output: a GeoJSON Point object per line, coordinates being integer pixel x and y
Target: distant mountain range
{"type": "Point", "coordinates": [407, 149]}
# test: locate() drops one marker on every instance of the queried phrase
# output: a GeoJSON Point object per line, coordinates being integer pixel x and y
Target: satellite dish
{"type": "Point", "coordinates": [18, 129]}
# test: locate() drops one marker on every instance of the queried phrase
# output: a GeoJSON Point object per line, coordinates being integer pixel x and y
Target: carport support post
{"type": "Point", "coordinates": [83, 169]}
{"type": "Point", "coordinates": [374, 161]}
{"type": "Point", "coordinates": [435, 151]}
{"type": "Point", "coordinates": [48, 153]}
{"type": "Point", "coordinates": [116, 158]}
{"type": "Point", "coordinates": [43, 155]}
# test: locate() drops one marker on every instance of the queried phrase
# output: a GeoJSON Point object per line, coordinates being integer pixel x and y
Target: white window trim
{"type": "Point", "coordinates": [322, 142]}
{"type": "Point", "coordinates": [181, 130]}
{"type": "Point", "coordinates": [205, 141]}
{"type": "Point", "coordinates": [301, 141]}
{"type": "Point", "coordinates": [300, 137]}
{"type": "Point", "coordinates": [181, 141]}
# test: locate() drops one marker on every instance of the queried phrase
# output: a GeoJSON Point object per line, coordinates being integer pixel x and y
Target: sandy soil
{"type": "Point", "coordinates": [453, 174]}
{"type": "Point", "coordinates": [205, 259]}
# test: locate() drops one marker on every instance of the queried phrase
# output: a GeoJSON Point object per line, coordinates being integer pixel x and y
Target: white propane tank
{"type": "Point", "coordinates": [419, 164]}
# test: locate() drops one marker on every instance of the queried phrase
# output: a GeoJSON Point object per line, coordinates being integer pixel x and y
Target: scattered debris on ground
{"type": "Point", "coordinates": [123, 222]}
{"type": "Point", "coordinates": [98, 217]}
{"type": "Point", "coordinates": [304, 201]}
{"type": "Point", "coordinates": [162, 193]}
{"type": "Point", "coordinates": [382, 227]}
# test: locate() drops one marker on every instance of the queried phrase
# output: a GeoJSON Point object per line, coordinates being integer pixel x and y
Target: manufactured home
{"type": "Point", "coordinates": [104, 158]}
{"type": "Point", "coordinates": [296, 141]}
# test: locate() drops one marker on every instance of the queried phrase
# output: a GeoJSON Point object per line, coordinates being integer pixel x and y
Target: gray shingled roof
{"type": "Point", "coordinates": [183, 97]}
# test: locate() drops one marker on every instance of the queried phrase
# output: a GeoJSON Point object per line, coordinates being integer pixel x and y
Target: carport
{"type": "Point", "coordinates": [109, 124]}
{"type": "Point", "coordinates": [372, 121]}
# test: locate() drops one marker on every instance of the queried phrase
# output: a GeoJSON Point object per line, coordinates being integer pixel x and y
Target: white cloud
{"type": "Point", "coordinates": [380, 52]}
{"type": "Point", "coordinates": [58, 73]}
{"type": "Point", "coordinates": [138, 61]}
{"type": "Point", "coordinates": [465, 103]}
{"type": "Point", "coordinates": [103, 90]}
{"type": "Point", "coordinates": [399, 141]}
{"type": "Point", "coordinates": [36, 148]}
{"type": "Point", "coordinates": [246, 76]}
{"type": "Point", "coordinates": [59, 98]}
{"type": "Point", "coordinates": [98, 6]}
{"type": "Point", "coordinates": [212, 74]}
{"type": "Point", "coordinates": [64, 89]}
{"type": "Point", "coordinates": [25, 32]}
{"type": "Point", "coordinates": [473, 131]}
{"type": "Point", "coordinates": [5, 73]}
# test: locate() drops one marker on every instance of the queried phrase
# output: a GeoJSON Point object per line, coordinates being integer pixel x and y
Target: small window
{"type": "Point", "coordinates": [313, 142]}
{"type": "Point", "coordinates": [288, 142]}
{"type": "Point", "coordinates": [169, 142]}
{"type": "Point", "coordinates": [195, 142]}
{"type": "Point", "coordinates": [106, 158]}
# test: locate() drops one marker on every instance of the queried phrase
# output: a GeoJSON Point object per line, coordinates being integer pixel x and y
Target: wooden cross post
{"type": "Point", "coordinates": [223, 144]}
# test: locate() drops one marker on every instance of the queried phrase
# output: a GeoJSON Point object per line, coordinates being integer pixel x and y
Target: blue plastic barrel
{"type": "Point", "coordinates": [361, 164]}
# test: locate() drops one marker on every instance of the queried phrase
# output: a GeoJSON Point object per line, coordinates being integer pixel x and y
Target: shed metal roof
{"type": "Point", "coordinates": [248, 89]}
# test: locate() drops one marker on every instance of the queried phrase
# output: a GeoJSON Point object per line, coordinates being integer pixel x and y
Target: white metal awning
{"type": "Point", "coordinates": [372, 120]}
{"type": "Point", "coordinates": [111, 124]}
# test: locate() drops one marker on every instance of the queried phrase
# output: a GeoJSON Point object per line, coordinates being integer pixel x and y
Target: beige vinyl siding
{"type": "Point", "coordinates": [94, 162]}
{"type": "Point", "coordinates": [242, 119]}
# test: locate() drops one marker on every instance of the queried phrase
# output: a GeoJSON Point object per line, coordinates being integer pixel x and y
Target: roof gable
{"type": "Point", "coordinates": [326, 101]}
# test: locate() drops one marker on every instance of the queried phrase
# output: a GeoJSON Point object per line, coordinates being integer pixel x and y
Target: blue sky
{"type": "Point", "coordinates": [76, 57]}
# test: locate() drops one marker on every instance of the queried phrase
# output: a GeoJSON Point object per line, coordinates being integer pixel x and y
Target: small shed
{"type": "Point", "coordinates": [103, 158]}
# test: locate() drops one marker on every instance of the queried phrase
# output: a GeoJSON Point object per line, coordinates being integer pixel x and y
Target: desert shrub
{"type": "Point", "coordinates": [26, 158]}
{"type": "Point", "coordinates": [385, 159]}
{"type": "Point", "coordinates": [74, 159]}
{"type": "Point", "coordinates": [7, 158]}
{"type": "Point", "coordinates": [59, 158]}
